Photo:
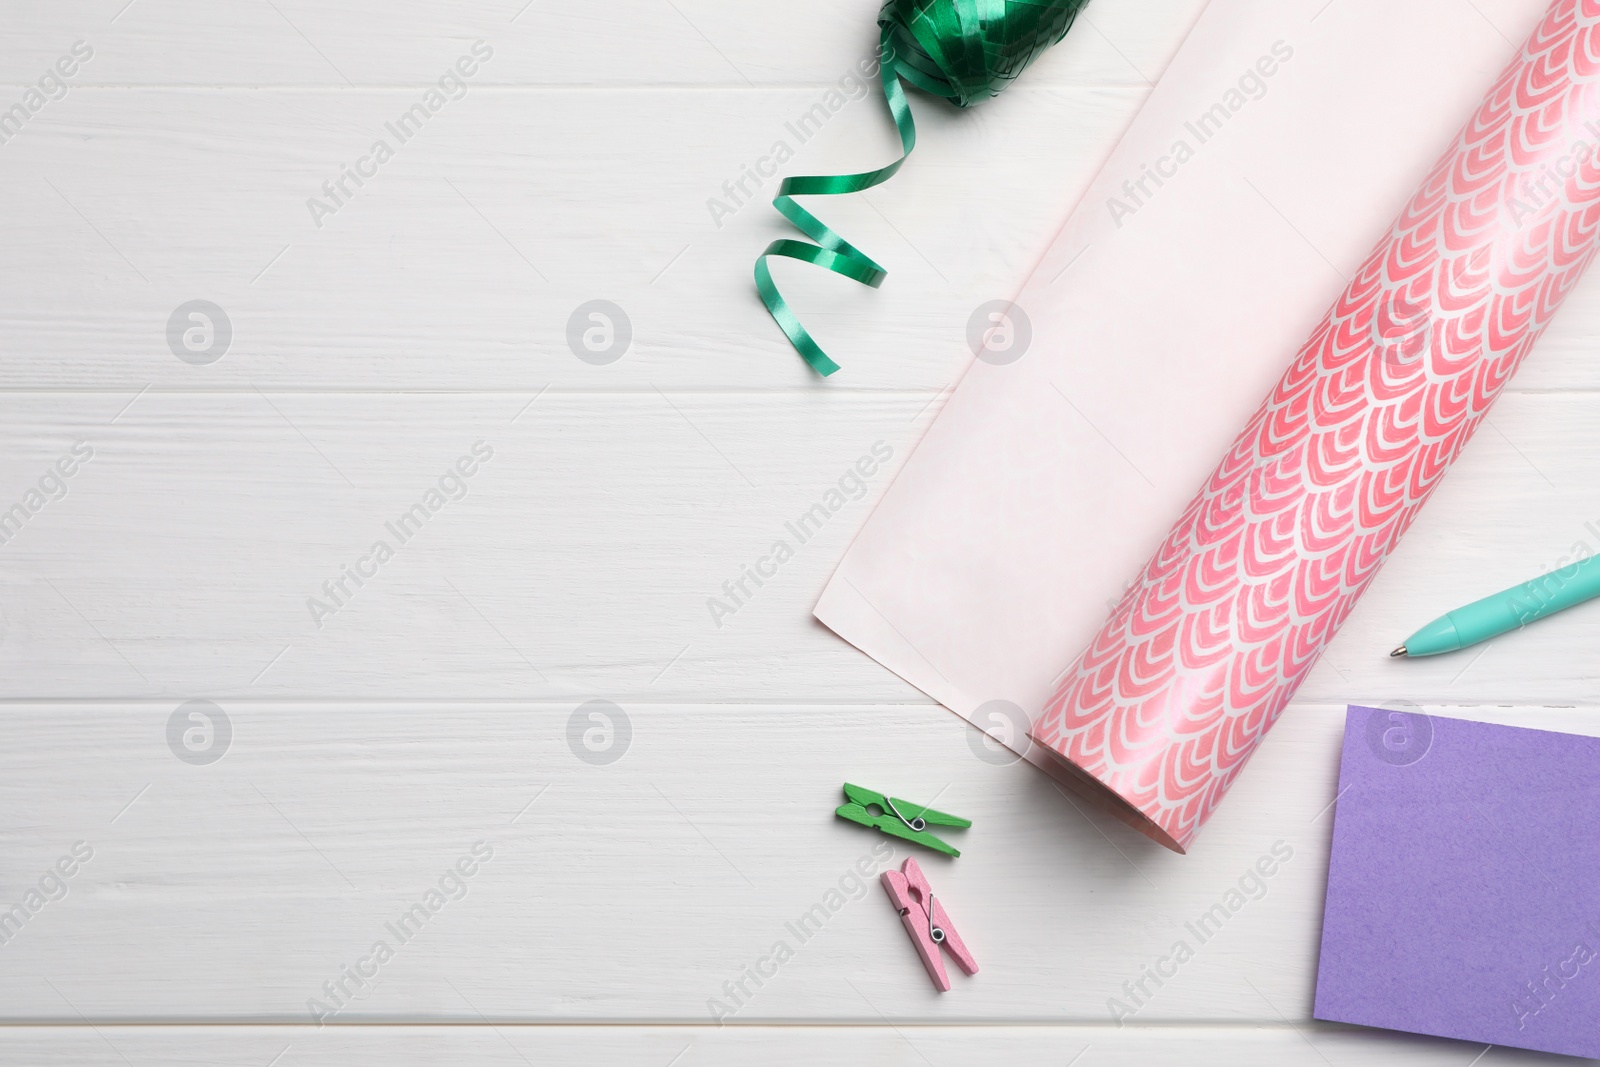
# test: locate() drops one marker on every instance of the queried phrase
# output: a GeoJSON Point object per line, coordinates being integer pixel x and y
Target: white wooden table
{"type": "Point", "coordinates": [371, 741]}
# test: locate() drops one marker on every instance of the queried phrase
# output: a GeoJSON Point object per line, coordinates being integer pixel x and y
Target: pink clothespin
{"type": "Point", "coordinates": [925, 920]}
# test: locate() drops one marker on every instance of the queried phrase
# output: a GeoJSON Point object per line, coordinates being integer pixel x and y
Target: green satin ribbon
{"type": "Point", "coordinates": [962, 50]}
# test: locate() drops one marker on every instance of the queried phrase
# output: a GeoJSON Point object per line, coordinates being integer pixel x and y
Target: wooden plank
{"type": "Point", "coordinates": [460, 262]}
{"type": "Point", "coordinates": [580, 562]}
{"type": "Point", "coordinates": [654, 1046]}
{"type": "Point", "coordinates": [625, 42]}
{"type": "Point", "coordinates": [587, 555]}
{"type": "Point", "coordinates": [635, 890]}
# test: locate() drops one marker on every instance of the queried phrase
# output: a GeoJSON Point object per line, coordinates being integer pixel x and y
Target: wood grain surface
{"type": "Point", "coordinates": [274, 767]}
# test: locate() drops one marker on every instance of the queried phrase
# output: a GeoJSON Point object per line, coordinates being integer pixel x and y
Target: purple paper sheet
{"type": "Point", "coordinates": [1464, 884]}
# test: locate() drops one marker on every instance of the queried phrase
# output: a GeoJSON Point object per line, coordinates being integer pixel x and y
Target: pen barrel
{"type": "Point", "coordinates": [1559, 590]}
{"type": "Point", "coordinates": [1162, 711]}
{"type": "Point", "coordinates": [1547, 594]}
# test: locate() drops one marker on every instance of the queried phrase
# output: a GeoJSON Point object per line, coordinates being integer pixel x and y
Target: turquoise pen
{"type": "Point", "coordinates": [1507, 610]}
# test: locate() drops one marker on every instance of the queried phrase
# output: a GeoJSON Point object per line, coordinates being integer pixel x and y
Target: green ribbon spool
{"type": "Point", "coordinates": [963, 50]}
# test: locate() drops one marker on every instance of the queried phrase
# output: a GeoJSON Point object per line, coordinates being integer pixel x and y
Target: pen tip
{"type": "Point", "coordinates": [1401, 651]}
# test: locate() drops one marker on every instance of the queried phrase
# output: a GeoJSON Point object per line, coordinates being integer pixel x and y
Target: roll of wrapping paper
{"type": "Point", "coordinates": [1159, 715]}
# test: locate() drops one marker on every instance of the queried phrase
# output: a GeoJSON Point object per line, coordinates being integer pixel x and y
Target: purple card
{"type": "Point", "coordinates": [1464, 885]}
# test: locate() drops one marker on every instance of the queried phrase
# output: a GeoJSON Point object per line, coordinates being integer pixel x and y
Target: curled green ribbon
{"type": "Point", "coordinates": [965, 51]}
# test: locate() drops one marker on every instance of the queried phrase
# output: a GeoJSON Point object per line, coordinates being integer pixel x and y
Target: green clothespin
{"type": "Point", "coordinates": [898, 818]}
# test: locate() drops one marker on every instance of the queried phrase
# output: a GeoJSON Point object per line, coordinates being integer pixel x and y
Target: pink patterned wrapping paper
{"type": "Point", "coordinates": [1158, 716]}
